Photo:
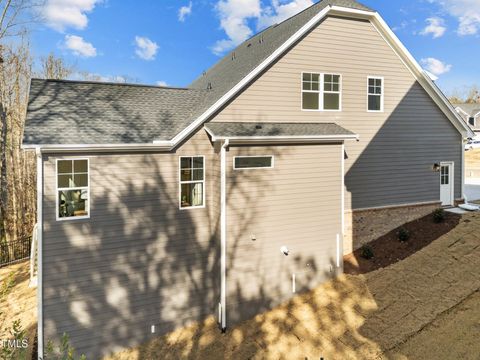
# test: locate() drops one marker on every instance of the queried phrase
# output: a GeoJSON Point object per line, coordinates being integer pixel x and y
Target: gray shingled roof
{"type": "Point", "coordinates": [68, 112]}
{"type": "Point", "coordinates": [252, 129]}
{"type": "Point", "coordinates": [470, 109]}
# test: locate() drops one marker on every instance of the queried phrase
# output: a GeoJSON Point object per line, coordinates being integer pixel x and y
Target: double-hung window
{"type": "Point", "coordinates": [73, 193]}
{"type": "Point", "coordinates": [321, 91]}
{"type": "Point", "coordinates": [375, 94]}
{"type": "Point", "coordinates": [192, 182]}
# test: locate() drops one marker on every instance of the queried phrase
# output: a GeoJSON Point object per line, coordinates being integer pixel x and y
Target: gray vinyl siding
{"type": "Point", "coordinates": [296, 204]}
{"type": "Point", "coordinates": [392, 162]}
{"type": "Point", "coordinates": [138, 261]}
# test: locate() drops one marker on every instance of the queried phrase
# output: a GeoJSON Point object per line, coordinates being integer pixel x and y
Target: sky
{"type": "Point", "coordinates": [171, 42]}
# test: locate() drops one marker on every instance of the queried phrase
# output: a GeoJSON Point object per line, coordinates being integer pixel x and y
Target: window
{"type": "Point", "coordinates": [73, 188]}
{"type": "Point", "coordinates": [471, 121]}
{"type": "Point", "coordinates": [321, 91]}
{"type": "Point", "coordinates": [444, 175]}
{"type": "Point", "coordinates": [311, 91]}
{"type": "Point", "coordinates": [331, 92]}
{"type": "Point", "coordinates": [192, 181]}
{"type": "Point", "coordinates": [375, 94]}
{"type": "Point", "coordinates": [252, 162]}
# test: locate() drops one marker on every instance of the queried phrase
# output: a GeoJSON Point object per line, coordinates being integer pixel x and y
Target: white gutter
{"type": "Point", "coordinates": [40, 340]}
{"type": "Point", "coordinates": [223, 234]}
{"type": "Point", "coordinates": [55, 148]}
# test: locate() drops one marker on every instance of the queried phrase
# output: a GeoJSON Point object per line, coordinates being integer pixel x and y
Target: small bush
{"type": "Point", "coordinates": [18, 335]}
{"type": "Point", "coordinates": [403, 234]}
{"type": "Point", "coordinates": [439, 216]}
{"type": "Point", "coordinates": [63, 351]}
{"type": "Point", "coordinates": [367, 252]}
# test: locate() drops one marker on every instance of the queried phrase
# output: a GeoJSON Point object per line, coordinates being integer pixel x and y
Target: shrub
{"type": "Point", "coordinates": [403, 234]}
{"type": "Point", "coordinates": [64, 351]}
{"type": "Point", "coordinates": [367, 252]}
{"type": "Point", "coordinates": [18, 335]}
{"type": "Point", "coordinates": [439, 216]}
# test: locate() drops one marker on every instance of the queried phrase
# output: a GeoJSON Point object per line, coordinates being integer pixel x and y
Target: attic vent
{"type": "Point", "coordinates": [209, 86]}
{"type": "Point", "coordinates": [258, 127]}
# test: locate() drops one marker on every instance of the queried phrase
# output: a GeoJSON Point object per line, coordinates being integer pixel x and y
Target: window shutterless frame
{"type": "Point", "coordinates": [254, 167]}
{"type": "Point", "coordinates": [382, 94]}
{"type": "Point", "coordinates": [322, 91]}
{"type": "Point", "coordinates": [180, 182]}
{"type": "Point", "coordinates": [57, 190]}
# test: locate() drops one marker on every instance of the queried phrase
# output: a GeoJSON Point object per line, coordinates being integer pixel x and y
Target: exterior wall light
{"type": "Point", "coordinates": [436, 167]}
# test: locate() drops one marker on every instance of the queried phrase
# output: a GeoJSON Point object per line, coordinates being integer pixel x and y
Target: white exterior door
{"type": "Point", "coordinates": [446, 183]}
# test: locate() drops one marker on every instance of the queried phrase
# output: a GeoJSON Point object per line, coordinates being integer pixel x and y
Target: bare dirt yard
{"type": "Point", "coordinates": [426, 306]}
{"type": "Point", "coordinates": [17, 301]}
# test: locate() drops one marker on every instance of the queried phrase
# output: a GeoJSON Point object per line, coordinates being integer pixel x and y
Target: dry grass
{"type": "Point", "coordinates": [19, 302]}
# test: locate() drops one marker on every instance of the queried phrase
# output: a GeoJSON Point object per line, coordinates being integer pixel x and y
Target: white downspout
{"type": "Point", "coordinates": [40, 251]}
{"type": "Point", "coordinates": [223, 234]}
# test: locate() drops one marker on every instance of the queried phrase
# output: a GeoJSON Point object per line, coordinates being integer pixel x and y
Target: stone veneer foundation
{"type": "Point", "coordinates": [363, 226]}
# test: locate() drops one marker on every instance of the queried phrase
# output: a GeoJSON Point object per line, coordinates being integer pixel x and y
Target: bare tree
{"type": "Point", "coordinates": [53, 67]}
{"type": "Point", "coordinates": [15, 15]}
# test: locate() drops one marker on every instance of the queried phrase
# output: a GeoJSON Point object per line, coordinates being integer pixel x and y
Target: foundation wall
{"type": "Point", "coordinates": [363, 226]}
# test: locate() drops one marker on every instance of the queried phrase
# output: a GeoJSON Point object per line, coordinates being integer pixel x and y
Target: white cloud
{"type": "Point", "coordinates": [161, 83]}
{"type": "Point", "coordinates": [435, 66]}
{"type": "Point", "coordinates": [146, 48]}
{"type": "Point", "coordinates": [79, 46]}
{"type": "Point", "coordinates": [235, 16]}
{"type": "Point", "coordinates": [467, 13]}
{"type": "Point", "coordinates": [280, 11]}
{"type": "Point", "coordinates": [436, 27]}
{"type": "Point", "coordinates": [184, 12]}
{"type": "Point", "coordinates": [62, 14]}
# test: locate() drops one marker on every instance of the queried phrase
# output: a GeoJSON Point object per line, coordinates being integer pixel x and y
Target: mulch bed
{"type": "Point", "coordinates": [388, 250]}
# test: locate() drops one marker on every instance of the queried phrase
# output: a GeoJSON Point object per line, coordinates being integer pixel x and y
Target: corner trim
{"type": "Point", "coordinates": [40, 252]}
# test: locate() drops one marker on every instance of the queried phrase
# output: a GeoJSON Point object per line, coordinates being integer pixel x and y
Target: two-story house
{"type": "Point", "coordinates": [158, 206]}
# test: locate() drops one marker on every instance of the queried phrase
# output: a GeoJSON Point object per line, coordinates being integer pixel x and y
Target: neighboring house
{"type": "Point", "coordinates": [160, 206]}
{"type": "Point", "coordinates": [471, 114]}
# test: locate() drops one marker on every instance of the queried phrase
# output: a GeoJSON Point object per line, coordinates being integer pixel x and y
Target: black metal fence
{"type": "Point", "coordinates": [13, 251]}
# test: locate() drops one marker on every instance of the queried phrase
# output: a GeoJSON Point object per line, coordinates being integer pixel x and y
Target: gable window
{"type": "Point", "coordinates": [73, 192]}
{"type": "Point", "coordinates": [321, 91]}
{"type": "Point", "coordinates": [252, 162]}
{"type": "Point", "coordinates": [192, 181]}
{"type": "Point", "coordinates": [375, 94]}
{"type": "Point", "coordinates": [471, 121]}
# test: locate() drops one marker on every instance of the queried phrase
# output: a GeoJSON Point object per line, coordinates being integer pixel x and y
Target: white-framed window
{"type": "Point", "coordinates": [375, 94]}
{"type": "Point", "coordinates": [73, 189]}
{"type": "Point", "coordinates": [192, 182]}
{"type": "Point", "coordinates": [321, 92]}
{"type": "Point", "coordinates": [253, 162]}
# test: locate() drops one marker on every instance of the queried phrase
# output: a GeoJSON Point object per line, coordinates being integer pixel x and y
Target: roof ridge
{"type": "Point", "coordinates": [93, 82]}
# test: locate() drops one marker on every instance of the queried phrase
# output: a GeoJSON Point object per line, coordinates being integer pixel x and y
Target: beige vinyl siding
{"type": "Point", "coordinates": [138, 261]}
{"type": "Point", "coordinates": [297, 204]}
{"type": "Point", "coordinates": [392, 162]}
